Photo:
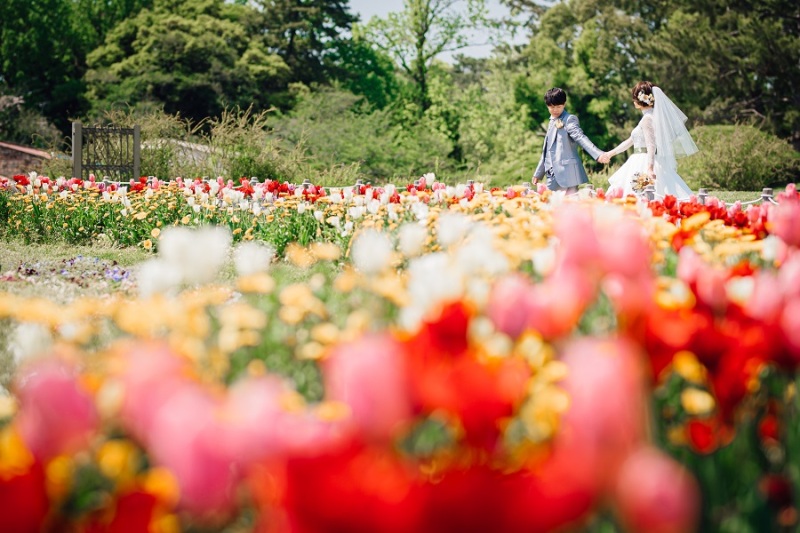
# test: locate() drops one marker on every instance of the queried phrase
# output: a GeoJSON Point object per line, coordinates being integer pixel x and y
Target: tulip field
{"type": "Point", "coordinates": [413, 358]}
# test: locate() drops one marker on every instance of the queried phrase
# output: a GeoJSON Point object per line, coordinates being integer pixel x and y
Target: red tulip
{"type": "Point", "coordinates": [355, 488]}
{"type": "Point", "coordinates": [23, 500]}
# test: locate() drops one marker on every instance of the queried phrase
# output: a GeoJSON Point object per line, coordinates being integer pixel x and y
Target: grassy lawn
{"type": "Point", "coordinates": [62, 272]}
{"type": "Point", "coordinates": [734, 196]}
{"type": "Point", "coordinates": [14, 252]}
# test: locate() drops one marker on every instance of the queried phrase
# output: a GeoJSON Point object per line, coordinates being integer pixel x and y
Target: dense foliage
{"type": "Point", "coordinates": [725, 63]}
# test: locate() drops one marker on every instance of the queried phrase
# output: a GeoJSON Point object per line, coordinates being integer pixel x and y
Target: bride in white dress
{"type": "Point", "coordinates": [658, 139]}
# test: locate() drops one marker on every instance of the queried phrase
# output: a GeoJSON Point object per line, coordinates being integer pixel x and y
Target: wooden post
{"type": "Point", "coordinates": [77, 149]}
{"type": "Point", "coordinates": [766, 195]}
{"type": "Point", "coordinates": [137, 151]}
{"type": "Point", "coordinates": [702, 194]}
{"type": "Point", "coordinates": [650, 192]}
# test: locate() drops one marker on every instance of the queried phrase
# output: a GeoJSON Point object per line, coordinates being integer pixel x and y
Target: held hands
{"type": "Point", "coordinates": [605, 158]}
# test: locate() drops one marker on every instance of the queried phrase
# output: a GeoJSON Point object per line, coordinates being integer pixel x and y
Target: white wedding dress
{"type": "Point", "coordinates": [644, 141]}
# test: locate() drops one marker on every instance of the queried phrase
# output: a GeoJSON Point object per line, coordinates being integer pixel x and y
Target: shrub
{"type": "Point", "coordinates": [739, 157]}
{"type": "Point", "coordinates": [336, 131]}
{"type": "Point", "coordinates": [243, 144]}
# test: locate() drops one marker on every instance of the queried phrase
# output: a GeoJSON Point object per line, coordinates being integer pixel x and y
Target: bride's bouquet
{"type": "Point", "coordinates": [640, 180]}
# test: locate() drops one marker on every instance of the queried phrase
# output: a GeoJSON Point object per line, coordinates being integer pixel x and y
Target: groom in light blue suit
{"type": "Point", "coordinates": [560, 162]}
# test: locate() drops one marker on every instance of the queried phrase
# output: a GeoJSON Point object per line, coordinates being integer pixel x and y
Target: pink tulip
{"type": "Point", "coordinates": [370, 376]}
{"type": "Point", "coordinates": [177, 422]}
{"type": "Point", "coordinates": [789, 275]}
{"type": "Point", "coordinates": [708, 281]}
{"type": "Point", "coordinates": [711, 287]}
{"type": "Point", "coordinates": [183, 438]}
{"type": "Point", "coordinates": [734, 209]}
{"type": "Point", "coordinates": [689, 265]}
{"type": "Point", "coordinates": [767, 300]}
{"type": "Point", "coordinates": [607, 413]}
{"type": "Point", "coordinates": [579, 245]}
{"type": "Point", "coordinates": [630, 296]}
{"type": "Point", "coordinates": [150, 374]}
{"type": "Point", "coordinates": [554, 307]}
{"type": "Point", "coordinates": [625, 258]}
{"type": "Point", "coordinates": [259, 423]}
{"type": "Point", "coordinates": [655, 494]}
{"type": "Point", "coordinates": [625, 248]}
{"type": "Point", "coordinates": [757, 212]}
{"type": "Point", "coordinates": [56, 415]}
{"type": "Point", "coordinates": [252, 415]}
{"type": "Point", "coordinates": [785, 219]}
{"type": "Point", "coordinates": [790, 323]}
{"type": "Point", "coordinates": [789, 193]}
{"type": "Point", "coordinates": [508, 305]}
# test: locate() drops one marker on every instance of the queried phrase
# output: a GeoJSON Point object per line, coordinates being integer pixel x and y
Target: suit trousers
{"type": "Point", "coordinates": [553, 185]}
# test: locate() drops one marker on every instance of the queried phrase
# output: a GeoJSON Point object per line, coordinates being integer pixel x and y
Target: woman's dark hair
{"type": "Point", "coordinates": [555, 96]}
{"type": "Point", "coordinates": [642, 93]}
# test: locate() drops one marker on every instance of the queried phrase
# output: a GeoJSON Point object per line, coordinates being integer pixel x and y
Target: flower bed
{"type": "Point", "coordinates": [428, 359]}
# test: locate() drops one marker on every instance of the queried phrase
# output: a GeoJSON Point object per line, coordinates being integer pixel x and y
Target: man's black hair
{"type": "Point", "coordinates": [555, 96]}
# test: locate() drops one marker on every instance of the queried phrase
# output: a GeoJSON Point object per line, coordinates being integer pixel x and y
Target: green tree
{"type": "Point", "coordinates": [732, 61]}
{"type": "Point", "coordinates": [304, 33]}
{"type": "Point", "coordinates": [41, 56]}
{"type": "Point", "coordinates": [365, 71]}
{"type": "Point", "coordinates": [424, 29]}
{"type": "Point", "coordinates": [43, 48]}
{"type": "Point", "coordinates": [194, 58]}
{"type": "Point", "coordinates": [95, 18]}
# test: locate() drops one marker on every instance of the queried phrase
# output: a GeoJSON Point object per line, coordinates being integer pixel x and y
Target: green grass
{"type": "Point", "coordinates": [15, 252]}
{"type": "Point", "coordinates": [734, 196]}
{"type": "Point", "coordinates": [62, 272]}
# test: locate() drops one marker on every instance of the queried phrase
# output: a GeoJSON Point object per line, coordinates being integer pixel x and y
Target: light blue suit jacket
{"type": "Point", "coordinates": [561, 143]}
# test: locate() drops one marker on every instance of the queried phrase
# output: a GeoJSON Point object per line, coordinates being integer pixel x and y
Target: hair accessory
{"type": "Point", "coordinates": [648, 99]}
